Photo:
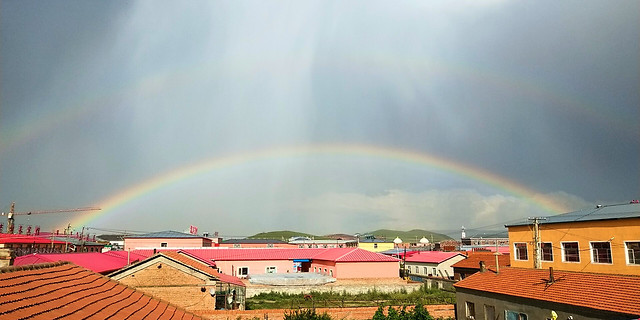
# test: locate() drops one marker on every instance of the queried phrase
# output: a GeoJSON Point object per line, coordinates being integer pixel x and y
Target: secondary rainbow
{"type": "Point", "coordinates": [132, 193]}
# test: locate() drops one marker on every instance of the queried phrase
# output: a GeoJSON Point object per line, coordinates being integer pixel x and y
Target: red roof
{"type": "Point", "coordinates": [432, 256]}
{"type": "Point", "coordinates": [203, 266]}
{"type": "Point", "coordinates": [22, 238]}
{"type": "Point", "coordinates": [94, 261]}
{"type": "Point", "coordinates": [241, 254]}
{"type": "Point", "coordinates": [64, 290]}
{"type": "Point", "coordinates": [352, 255]}
{"type": "Point", "coordinates": [606, 292]}
{"type": "Point", "coordinates": [473, 260]}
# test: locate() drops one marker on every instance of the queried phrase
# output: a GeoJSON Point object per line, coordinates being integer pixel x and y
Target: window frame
{"type": "Point", "coordinates": [516, 251]}
{"type": "Point", "coordinates": [470, 309]}
{"type": "Point", "coordinates": [542, 253]}
{"type": "Point", "coordinates": [487, 316]}
{"type": "Point", "coordinates": [636, 256]}
{"type": "Point", "coordinates": [274, 268]}
{"type": "Point", "coordinates": [564, 251]}
{"type": "Point", "coordinates": [164, 244]}
{"type": "Point", "coordinates": [245, 274]}
{"type": "Point", "coordinates": [592, 251]}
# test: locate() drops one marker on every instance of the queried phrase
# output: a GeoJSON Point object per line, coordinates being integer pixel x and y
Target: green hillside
{"type": "Point", "coordinates": [284, 235]}
{"type": "Point", "coordinates": [409, 236]}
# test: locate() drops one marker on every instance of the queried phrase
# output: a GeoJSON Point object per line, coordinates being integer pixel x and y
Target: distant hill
{"type": "Point", "coordinates": [284, 235]}
{"type": "Point", "coordinates": [409, 236]}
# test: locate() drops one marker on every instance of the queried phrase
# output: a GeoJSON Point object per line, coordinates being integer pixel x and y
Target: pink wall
{"type": "Point", "coordinates": [255, 266]}
{"type": "Point", "coordinates": [351, 270]}
{"type": "Point", "coordinates": [357, 270]}
{"type": "Point", "coordinates": [138, 243]}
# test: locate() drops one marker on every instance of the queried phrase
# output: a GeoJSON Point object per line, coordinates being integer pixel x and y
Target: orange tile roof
{"type": "Point", "coordinates": [606, 292]}
{"type": "Point", "coordinates": [64, 290]}
{"type": "Point", "coordinates": [473, 260]}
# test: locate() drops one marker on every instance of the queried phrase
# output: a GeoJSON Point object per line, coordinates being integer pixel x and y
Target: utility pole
{"type": "Point", "coordinates": [537, 250]}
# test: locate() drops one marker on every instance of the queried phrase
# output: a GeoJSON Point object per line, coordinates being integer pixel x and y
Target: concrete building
{"type": "Point", "coordinates": [166, 239]}
{"type": "Point", "coordinates": [375, 245]}
{"type": "Point", "coordinates": [602, 239]}
{"type": "Point", "coordinates": [185, 280]}
{"type": "Point", "coordinates": [522, 294]}
{"type": "Point", "coordinates": [432, 263]}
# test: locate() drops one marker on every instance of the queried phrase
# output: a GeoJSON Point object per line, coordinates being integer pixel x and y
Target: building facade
{"type": "Point", "coordinates": [604, 239]}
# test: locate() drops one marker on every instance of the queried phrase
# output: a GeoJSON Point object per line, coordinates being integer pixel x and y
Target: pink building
{"type": "Point", "coordinates": [433, 263]}
{"type": "Point", "coordinates": [340, 263]}
{"type": "Point", "coordinates": [166, 239]}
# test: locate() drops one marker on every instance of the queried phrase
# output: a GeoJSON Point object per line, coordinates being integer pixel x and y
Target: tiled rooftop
{"type": "Point", "coordinates": [473, 260]}
{"type": "Point", "coordinates": [64, 290]}
{"type": "Point", "coordinates": [613, 293]}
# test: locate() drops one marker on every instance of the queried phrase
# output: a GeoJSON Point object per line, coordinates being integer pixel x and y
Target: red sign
{"type": "Point", "coordinates": [193, 230]}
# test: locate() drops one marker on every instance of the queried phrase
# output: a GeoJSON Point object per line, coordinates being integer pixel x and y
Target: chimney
{"type": "Point", "coordinates": [551, 279]}
{"type": "Point", "coordinates": [483, 268]}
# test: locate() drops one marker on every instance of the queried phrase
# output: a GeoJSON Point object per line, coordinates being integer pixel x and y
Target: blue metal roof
{"type": "Point", "coordinates": [606, 212]}
{"type": "Point", "coordinates": [165, 234]}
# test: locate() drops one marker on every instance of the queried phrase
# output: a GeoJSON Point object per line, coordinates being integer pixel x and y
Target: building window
{"type": "Point", "coordinates": [270, 269]}
{"type": "Point", "coordinates": [243, 271]}
{"type": "Point", "coordinates": [601, 252]}
{"type": "Point", "coordinates": [331, 273]}
{"type": "Point", "coordinates": [236, 245]}
{"type": "Point", "coordinates": [633, 252]}
{"type": "Point", "coordinates": [489, 312]}
{"type": "Point", "coordinates": [435, 272]}
{"type": "Point", "coordinates": [375, 246]}
{"type": "Point", "coordinates": [547, 251]}
{"type": "Point", "coordinates": [425, 270]}
{"type": "Point", "coordinates": [269, 245]}
{"type": "Point", "coordinates": [521, 251]}
{"type": "Point", "coordinates": [470, 308]}
{"type": "Point", "coordinates": [163, 244]}
{"type": "Point", "coordinates": [570, 252]}
{"type": "Point", "coordinates": [513, 315]}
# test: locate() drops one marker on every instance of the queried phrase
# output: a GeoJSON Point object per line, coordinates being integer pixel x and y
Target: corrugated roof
{"type": "Point", "coordinates": [432, 256]}
{"type": "Point", "coordinates": [28, 239]}
{"type": "Point", "coordinates": [164, 234]}
{"type": "Point", "coordinates": [473, 260]}
{"type": "Point", "coordinates": [607, 212]}
{"type": "Point", "coordinates": [94, 261]}
{"type": "Point", "coordinates": [352, 255]}
{"type": "Point", "coordinates": [64, 290]}
{"type": "Point", "coordinates": [605, 292]}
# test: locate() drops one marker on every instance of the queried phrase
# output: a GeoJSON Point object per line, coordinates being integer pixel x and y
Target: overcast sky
{"type": "Point", "coordinates": [101, 97]}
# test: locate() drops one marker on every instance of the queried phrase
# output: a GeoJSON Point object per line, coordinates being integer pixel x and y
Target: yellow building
{"type": "Point", "coordinates": [603, 239]}
{"type": "Point", "coordinates": [375, 245]}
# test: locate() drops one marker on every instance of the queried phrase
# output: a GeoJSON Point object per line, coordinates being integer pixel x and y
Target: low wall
{"type": "Point", "coordinates": [354, 286]}
{"type": "Point", "coordinates": [361, 313]}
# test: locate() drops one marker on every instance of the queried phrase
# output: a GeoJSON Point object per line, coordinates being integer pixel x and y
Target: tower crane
{"type": "Point", "coordinates": [11, 219]}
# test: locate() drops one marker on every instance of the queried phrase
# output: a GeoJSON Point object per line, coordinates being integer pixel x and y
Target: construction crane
{"type": "Point", "coordinates": [11, 219]}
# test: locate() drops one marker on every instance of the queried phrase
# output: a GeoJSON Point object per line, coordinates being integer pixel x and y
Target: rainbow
{"type": "Point", "coordinates": [117, 200]}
